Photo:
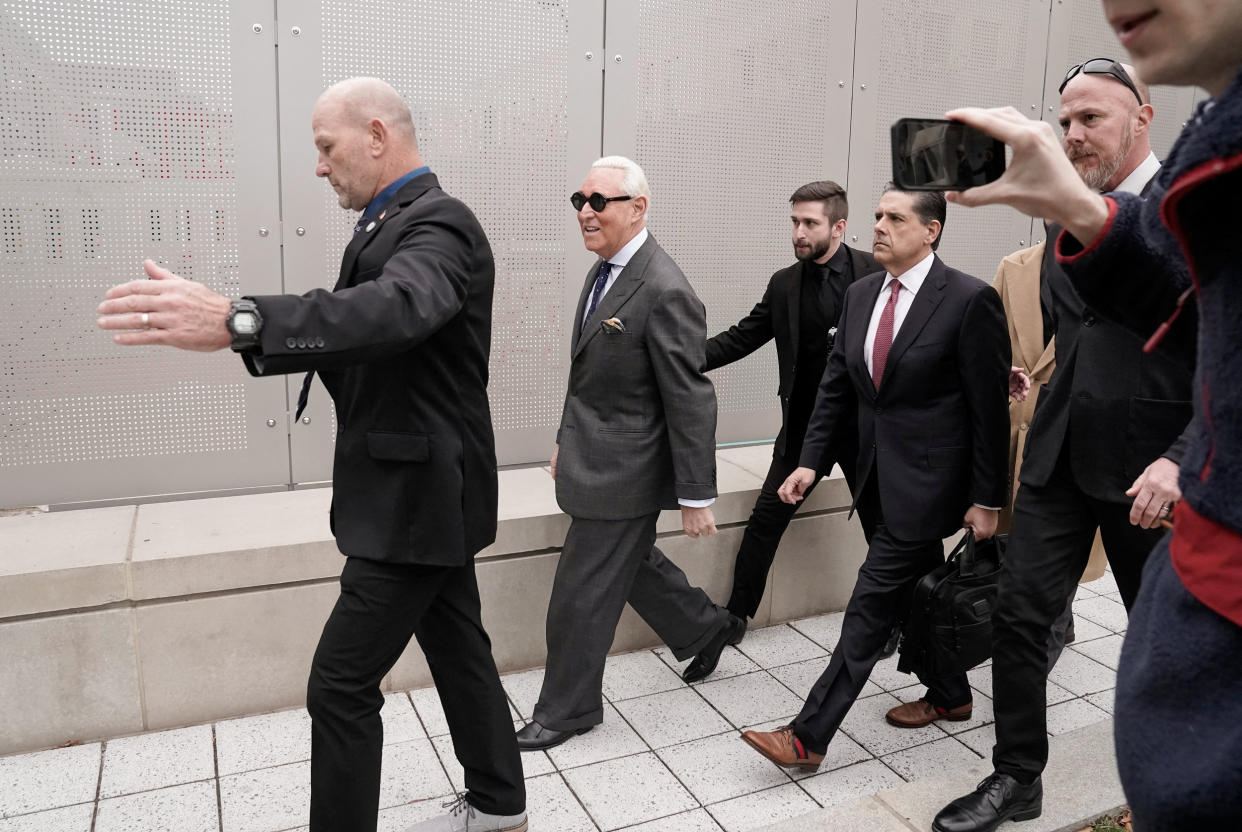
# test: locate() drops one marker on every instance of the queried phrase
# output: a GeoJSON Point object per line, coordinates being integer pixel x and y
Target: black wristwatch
{"type": "Point", "coordinates": [244, 323]}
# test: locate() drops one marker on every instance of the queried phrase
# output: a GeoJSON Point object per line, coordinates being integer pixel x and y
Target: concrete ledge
{"type": "Point", "coordinates": [1080, 784]}
{"type": "Point", "coordinates": [135, 618]}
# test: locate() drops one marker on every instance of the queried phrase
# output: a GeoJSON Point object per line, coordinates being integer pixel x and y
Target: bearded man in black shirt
{"type": "Point", "coordinates": [800, 310]}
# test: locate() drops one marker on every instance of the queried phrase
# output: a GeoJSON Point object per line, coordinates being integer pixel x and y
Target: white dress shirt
{"type": "Point", "coordinates": [910, 283]}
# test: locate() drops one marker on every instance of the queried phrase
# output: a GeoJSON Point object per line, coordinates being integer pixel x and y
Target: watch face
{"type": "Point", "coordinates": [245, 323]}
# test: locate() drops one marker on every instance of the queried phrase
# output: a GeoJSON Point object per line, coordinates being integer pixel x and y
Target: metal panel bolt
{"type": "Point", "coordinates": [262, 232]}
{"type": "Point", "coordinates": [617, 58]}
{"type": "Point", "coordinates": [590, 56]}
{"type": "Point", "coordinates": [840, 83]}
{"type": "Point", "coordinates": [271, 423]}
{"type": "Point", "coordinates": [301, 231]}
{"type": "Point", "coordinates": [306, 420]}
{"type": "Point", "coordinates": [1034, 107]}
{"type": "Point", "coordinates": [1021, 242]}
{"type": "Point", "coordinates": [862, 86]}
{"type": "Point", "coordinates": [296, 30]}
{"type": "Point", "coordinates": [257, 28]}
{"type": "Point", "coordinates": [854, 238]}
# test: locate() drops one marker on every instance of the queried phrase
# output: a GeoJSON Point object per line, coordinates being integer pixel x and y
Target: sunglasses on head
{"type": "Point", "coordinates": [1101, 66]}
{"type": "Point", "coordinates": [598, 202]}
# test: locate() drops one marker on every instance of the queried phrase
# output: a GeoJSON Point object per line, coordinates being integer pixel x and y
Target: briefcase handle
{"type": "Point", "coordinates": [964, 551]}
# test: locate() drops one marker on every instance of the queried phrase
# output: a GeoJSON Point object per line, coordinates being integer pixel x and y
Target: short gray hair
{"type": "Point", "coordinates": [633, 180]}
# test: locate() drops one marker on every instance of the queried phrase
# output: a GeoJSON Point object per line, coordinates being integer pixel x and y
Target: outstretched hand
{"type": "Point", "coordinates": [166, 310]}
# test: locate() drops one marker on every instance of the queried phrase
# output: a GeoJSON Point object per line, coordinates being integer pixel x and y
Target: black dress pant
{"type": "Point", "coordinates": [379, 608]}
{"type": "Point", "coordinates": [1050, 540]}
{"type": "Point", "coordinates": [768, 521]}
{"type": "Point", "coordinates": [880, 598]}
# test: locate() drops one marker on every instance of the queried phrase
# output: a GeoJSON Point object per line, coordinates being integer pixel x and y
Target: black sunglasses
{"type": "Point", "coordinates": [1101, 66]}
{"type": "Point", "coordinates": [598, 202]}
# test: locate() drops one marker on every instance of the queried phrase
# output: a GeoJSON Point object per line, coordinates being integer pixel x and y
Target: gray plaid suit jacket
{"type": "Point", "coordinates": [638, 430]}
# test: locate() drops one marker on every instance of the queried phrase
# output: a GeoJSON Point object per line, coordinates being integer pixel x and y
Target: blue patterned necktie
{"type": "Point", "coordinates": [601, 280]}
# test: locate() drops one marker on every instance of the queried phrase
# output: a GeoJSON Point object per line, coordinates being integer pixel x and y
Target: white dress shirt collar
{"type": "Point", "coordinates": [622, 258]}
{"type": "Point", "coordinates": [1140, 176]}
{"type": "Point", "coordinates": [910, 282]}
{"type": "Point", "coordinates": [914, 276]}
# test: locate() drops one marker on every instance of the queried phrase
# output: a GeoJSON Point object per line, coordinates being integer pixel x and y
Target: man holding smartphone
{"type": "Point", "coordinates": [1101, 454]}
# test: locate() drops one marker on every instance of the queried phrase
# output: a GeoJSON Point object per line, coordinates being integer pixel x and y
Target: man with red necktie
{"type": "Point", "coordinates": [922, 357]}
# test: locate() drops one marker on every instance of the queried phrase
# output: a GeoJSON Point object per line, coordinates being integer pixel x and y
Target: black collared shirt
{"type": "Point", "coordinates": [819, 307]}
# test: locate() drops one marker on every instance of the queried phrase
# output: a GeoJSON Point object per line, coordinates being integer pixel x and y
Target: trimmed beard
{"type": "Point", "coordinates": [1098, 177]}
{"type": "Point", "coordinates": [815, 253]}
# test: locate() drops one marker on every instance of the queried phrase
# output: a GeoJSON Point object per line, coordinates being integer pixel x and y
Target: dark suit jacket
{"type": "Point", "coordinates": [638, 430]}
{"type": "Point", "coordinates": [402, 344]}
{"type": "Point", "coordinates": [1117, 407]}
{"type": "Point", "coordinates": [936, 432]}
{"type": "Point", "coordinates": [777, 316]}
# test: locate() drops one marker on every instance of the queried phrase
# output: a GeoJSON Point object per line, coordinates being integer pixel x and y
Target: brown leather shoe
{"type": "Point", "coordinates": [921, 712]}
{"type": "Point", "coordinates": [783, 748]}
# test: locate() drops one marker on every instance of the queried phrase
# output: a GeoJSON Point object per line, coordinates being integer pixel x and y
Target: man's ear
{"type": "Point", "coordinates": [377, 136]}
{"type": "Point", "coordinates": [933, 230]}
{"type": "Point", "coordinates": [838, 229]}
{"type": "Point", "coordinates": [1142, 118]}
{"type": "Point", "coordinates": [640, 207]}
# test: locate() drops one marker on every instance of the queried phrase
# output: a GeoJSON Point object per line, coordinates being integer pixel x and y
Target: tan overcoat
{"type": "Point", "coordinates": [1017, 281]}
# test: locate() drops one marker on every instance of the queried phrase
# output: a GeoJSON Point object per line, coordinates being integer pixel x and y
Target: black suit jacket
{"type": "Point", "coordinates": [1118, 408]}
{"type": "Point", "coordinates": [936, 433]}
{"type": "Point", "coordinates": [402, 345]}
{"type": "Point", "coordinates": [777, 315]}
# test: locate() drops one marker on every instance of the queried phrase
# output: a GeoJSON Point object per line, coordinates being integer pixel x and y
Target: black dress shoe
{"type": "Point", "coordinates": [997, 799]}
{"type": "Point", "coordinates": [707, 659]}
{"type": "Point", "coordinates": [534, 737]}
{"type": "Point", "coordinates": [890, 646]}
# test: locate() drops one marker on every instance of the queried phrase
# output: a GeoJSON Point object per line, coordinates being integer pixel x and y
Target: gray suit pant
{"type": "Point", "coordinates": [604, 564]}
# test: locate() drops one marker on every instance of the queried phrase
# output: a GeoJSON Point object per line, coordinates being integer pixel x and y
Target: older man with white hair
{"type": "Point", "coordinates": [637, 435]}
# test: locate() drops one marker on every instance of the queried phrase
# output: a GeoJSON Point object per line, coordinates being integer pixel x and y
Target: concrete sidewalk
{"type": "Point", "coordinates": [666, 759]}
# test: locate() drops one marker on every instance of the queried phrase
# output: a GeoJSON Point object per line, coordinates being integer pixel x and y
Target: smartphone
{"type": "Point", "coordinates": [939, 155]}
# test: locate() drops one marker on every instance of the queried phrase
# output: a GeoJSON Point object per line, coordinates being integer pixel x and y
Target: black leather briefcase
{"type": "Point", "coordinates": [949, 626]}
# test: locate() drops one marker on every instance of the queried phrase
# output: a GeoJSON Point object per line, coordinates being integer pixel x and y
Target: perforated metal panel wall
{"type": "Point", "coordinates": [918, 58]}
{"type": "Point", "coordinates": [732, 113]}
{"type": "Point", "coordinates": [126, 134]}
{"type": "Point", "coordinates": [486, 83]}
{"type": "Point", "coordinates": [118, 140]}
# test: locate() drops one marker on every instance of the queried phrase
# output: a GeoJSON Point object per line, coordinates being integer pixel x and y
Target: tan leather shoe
{"type": "Point", "coordinates": [921, 712]}
{"type": "Point", "coordinates": [783, 748]}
